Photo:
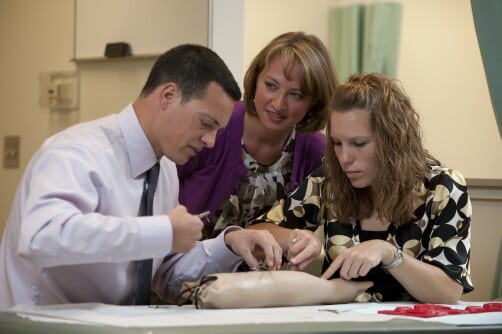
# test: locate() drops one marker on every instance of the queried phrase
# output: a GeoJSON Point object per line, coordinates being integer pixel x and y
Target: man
{"type": "Point", "coordinates": [76, 231]}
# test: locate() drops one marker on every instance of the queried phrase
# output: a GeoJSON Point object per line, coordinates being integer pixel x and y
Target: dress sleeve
{"type": "Point", "coordinates": [301, 208]}
{"type": "Point", "coordinates": [447, 236]}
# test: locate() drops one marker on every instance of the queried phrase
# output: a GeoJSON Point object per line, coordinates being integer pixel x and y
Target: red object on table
{"type": "Point", "coordinates": [436, 310]}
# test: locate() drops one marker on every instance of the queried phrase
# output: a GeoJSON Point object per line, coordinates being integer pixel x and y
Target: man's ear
{"type": "Point", "coordinates": [169, 92]}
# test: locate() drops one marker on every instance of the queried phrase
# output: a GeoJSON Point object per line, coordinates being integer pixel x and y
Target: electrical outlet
{"type": "Point", "coordinates": [11, 153]}
{"type": "Point", "coordinates": [59, 90]}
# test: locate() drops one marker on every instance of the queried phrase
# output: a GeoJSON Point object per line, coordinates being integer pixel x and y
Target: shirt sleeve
{"type": "Point", "coordinates": [448, 210]}
{"type": "Point", "coordinates": [74, 212]}
{"type": "Point", "coordinates": [207, 257]}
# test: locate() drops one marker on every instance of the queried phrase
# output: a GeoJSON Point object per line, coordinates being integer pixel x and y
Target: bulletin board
{"type": "Point", "coordinates": [149, 26]}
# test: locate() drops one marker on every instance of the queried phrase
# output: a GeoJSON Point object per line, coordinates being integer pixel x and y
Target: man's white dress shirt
{"type": "Point", "coordinates": [73, 232]}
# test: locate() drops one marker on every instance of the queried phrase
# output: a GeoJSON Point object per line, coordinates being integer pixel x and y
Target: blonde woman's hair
{"type": "Point", "coordinates": [319, 76]}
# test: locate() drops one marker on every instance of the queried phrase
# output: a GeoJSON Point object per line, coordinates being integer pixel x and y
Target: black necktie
{"type": "Point", "coordinates": [141, 292]}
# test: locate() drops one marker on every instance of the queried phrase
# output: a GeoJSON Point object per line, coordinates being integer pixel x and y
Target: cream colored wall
{"type": "Point", "coordinates": [439, 65]}
{"type": "Point", "coordinates": [35, 36]}
{"type": "Point", "coordinates": [486, 234]}
{"type": "Point", "coordinates": [441, 68]}
{"type": "Point", "coordinates": [265, 19]}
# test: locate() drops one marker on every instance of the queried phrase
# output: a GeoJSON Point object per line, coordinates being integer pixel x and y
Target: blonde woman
{"type": "Point", "coordinates": [273, 140]}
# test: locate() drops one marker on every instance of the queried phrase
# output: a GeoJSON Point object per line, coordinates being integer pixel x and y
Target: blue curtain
{"type": "Point", "coordinates": [488, 22]}
{"type": "Point", "coordinates": [365, 38]}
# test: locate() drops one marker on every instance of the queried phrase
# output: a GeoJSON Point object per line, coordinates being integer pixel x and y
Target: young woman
{"type": "Point", "coordinates": [272, 141]}
{"type": "Point", "coordinates": [392, 213]}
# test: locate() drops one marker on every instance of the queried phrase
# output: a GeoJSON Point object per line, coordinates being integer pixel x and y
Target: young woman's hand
{"type": "Point", "coordinates": [303, 247]}
{"type": "Point", "coordinates": [357, 261]}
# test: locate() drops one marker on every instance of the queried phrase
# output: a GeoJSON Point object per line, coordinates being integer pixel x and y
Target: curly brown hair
{"type": "Point", "coordinates": [319, 76]}
{"type": "Point", "coordinates": [401, 155]}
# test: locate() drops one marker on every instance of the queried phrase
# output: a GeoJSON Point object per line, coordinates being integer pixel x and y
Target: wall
{"type": "Point", "coordinates": [36, 36]}
{"type": "Point", "coordinates": [486, 238]}
{"type": "Point", "coordinates": [439, 65]}
{"type": "Point", "coordinates": [118, 21]}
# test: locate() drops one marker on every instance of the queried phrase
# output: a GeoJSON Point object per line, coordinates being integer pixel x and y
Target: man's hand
{"type": "Point", "coordinates": [250, 244]}
{"type": "Point", "coordinates": [187, 229]}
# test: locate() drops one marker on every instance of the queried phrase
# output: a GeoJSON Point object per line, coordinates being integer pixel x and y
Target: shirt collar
{"type": "Point", "coordinates": [139, 150]}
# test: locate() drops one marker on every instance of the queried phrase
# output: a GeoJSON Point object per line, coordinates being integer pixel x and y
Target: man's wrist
{"type": "Point", "coordinates": [226, 232]}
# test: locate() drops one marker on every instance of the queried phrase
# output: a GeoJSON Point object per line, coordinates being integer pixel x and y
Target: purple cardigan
{"type": "Point", "coordinates": [211, 176]}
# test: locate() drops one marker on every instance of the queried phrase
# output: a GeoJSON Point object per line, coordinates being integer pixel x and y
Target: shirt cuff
{"type": "Point", "coordinates": [221, 253]}
{"type": "Point", "coordinates": [155, 236]}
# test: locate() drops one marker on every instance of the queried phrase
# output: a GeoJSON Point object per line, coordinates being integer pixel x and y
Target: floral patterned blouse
{"type": "Point", "coordinates": [439, 234]}
{"type": "Point", "coordinates": [262, 187]}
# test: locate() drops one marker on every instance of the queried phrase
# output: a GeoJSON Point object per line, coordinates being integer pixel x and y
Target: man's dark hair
{"type": "Point", "coordinates": [192, 67]}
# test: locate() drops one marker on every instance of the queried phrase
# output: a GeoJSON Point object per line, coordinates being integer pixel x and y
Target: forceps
{"type": "Point", "coordinates": [203, 216]}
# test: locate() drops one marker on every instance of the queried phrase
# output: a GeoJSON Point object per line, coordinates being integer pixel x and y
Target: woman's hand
{"type": "Point", "coordinates": [303, 247]}
{"type": "Point", "coordinates": [358, 260]}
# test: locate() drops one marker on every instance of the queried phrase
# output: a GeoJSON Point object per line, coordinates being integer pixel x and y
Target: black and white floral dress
{"type": "Point", "coordinates": [262, 187]}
